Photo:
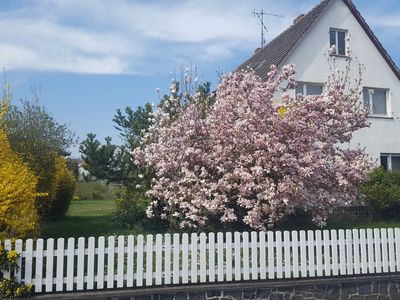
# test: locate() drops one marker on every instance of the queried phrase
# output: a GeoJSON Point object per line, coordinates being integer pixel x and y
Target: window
{"type": "Point", "coordinates": [337, 38]}
{"type": "Point", "coordinates": [375, 100]}
{"type": "Point", "coordinates": [390, 161]}
{"type": "Point", "coordinates": [309, 88]}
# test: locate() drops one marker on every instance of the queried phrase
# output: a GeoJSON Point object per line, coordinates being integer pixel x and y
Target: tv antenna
{"type": "Point", "coordinates": [260, 15]}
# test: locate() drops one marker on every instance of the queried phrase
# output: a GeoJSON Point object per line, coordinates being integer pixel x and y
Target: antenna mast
{"type": "Point", "coordinates": [260, 15]}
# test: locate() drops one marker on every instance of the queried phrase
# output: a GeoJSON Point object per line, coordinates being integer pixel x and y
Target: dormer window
{"type": "Point", "coordinates": [337, 38]}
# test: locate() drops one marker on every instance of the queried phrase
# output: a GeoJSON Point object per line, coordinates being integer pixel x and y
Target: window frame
{"type": "Point", "coordinates": [389, 160]}
{"type": "Point", "coordinates": [337, 30]}
{"type": "Point", "coordinates": [371, 104]}
{"type": "Point", "coordinates": [305, 84]}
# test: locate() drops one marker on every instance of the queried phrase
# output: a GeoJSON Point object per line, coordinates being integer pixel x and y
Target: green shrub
{"type": "Point", "coordinates": [95, 190]}
{"type": "Point", "coordinates": [382, 192]}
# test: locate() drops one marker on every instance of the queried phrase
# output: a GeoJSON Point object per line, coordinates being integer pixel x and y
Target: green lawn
{"type": "Point", "coordinates": [85, 218]}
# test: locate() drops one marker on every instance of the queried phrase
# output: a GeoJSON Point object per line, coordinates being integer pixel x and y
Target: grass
{"type": "Point", "coordinates": [85, 218]}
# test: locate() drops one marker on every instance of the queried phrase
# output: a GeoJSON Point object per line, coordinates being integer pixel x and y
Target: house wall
{"type": "Point", "coordinates": [309, 56]}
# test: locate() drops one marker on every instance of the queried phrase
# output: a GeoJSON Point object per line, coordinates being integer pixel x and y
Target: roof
{"type": "Point", "coordinates": [278, 49]}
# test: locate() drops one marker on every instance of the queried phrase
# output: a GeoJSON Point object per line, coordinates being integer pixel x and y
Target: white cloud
{"type": "Point", "coordinates": [113, 37]}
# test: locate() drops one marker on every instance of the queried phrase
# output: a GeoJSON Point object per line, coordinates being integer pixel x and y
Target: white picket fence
{"type": "Point", "coordinates": [171, 259]}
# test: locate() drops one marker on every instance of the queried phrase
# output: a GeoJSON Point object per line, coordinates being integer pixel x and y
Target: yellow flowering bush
{"type": "Point", "coordinates": [18, 215]}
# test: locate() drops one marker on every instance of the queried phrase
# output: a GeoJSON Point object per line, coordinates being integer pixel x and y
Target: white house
{"type": "Point", "coordinates": [306, 44]}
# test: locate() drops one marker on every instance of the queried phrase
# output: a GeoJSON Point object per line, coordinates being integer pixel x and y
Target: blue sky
{"type": "Point", "coordinates": [89, 58]}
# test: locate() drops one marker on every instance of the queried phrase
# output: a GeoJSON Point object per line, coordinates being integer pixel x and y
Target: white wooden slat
{"type": "Point", "coordinates": [39, 265]}
{"type": "Point", "coordinates": [279, 255]}
{"type": "Point", "coordinates": [70, 264]}
{"type": "Point", "coordinates": [392, 262]}
{"type": "Point", "coordinates": [60, 265]}
{"type": "Point", "coordinates": [159, 257]}
{"type": "Point", "coordinates": [318, 252]}
{"type": "Point", "coordinates": [254, 255]}
{"type": "Point", "coordinates": [229, 257]}
{"type": "Point", "coordinates": [397, 248]}
{"type": "Point", "coordinates": [263, 257]}
{"type": "Point", "coordinates": [220, 256]}
{"type": "Point", "coordinates": [295, 254]}
{"type": "Point", "coordinates": [238, 270]}
{"type": "Point", "coordinates": [349, 252]}
{"type": "Point", "coordinates": [211, 257]}
{"type": "Point", "coordinates": [342, 253]}
{"type": "Point", "coordinates": [167, 258]}
{"type": "Point", "coordinates": [246, 256]}
{"type": "Point", "coordinates": [287, 254]}
{"type": "Point", "coordinates": [28, 261]}
{"type": "Point", "coordinates": [326, 253]}
{"type": "Point", "coordinates": [203, 257]}
{"type": "Point", "coordinates": [49, 265]}
{"type": "Point", "coordinates": [271, 255]}
{"type": "Point", "coordinates": [176, 255]}
{"type": "Point", "coordinates": [334, 251]}
{"type": "Point", "coordinates": [356, 251]}
{"type": "Point", "coordinates": [378, 254]}
{"type": "Point", "coordinates": [130, 261]}
{"type": "Point", "coordinates": [303, 254]}
{"type": "Point", "coordinates": [139, 260]}
{"type": "Point", "coordinates": [385, 256]}
{"type": "Point", "coordinates": [81, 264]}
{"type": "Point", "coordinates": [90, 263]}
{"type": "Point", "coordinates": [120, 261]}
{"type": "Point", "coordinates": [193, 257]}
{"type": "Point", "coordinates": [7, 247]}
{"type": "Point", "coordinates": [149, 260]}
{"type": "Point", "coordinates": [100, 262]}
{"type": "Point", "coordinates": [363, 251]}
{"type": "Point", "coordinates": [110, 261]}
{"type": "Point", "coordinates": [371, 258]}
{"type": "Point", "coordinates": [185, 258]}
{"type": "Point", "coordinates": [18, 248]}
{"type": "Point", "coordinates": [311, 253]}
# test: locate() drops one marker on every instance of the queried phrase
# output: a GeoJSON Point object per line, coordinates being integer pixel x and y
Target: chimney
{"type": "Point", "coordinates": [257, 50]}
{"type": "Point", "coordinates": [297, 18]}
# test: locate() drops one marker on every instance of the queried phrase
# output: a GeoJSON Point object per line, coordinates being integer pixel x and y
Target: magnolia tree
{"type": "Point", "coordinates": [254, 159]}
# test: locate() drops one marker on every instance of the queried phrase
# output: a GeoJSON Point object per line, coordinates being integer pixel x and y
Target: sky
{"type": "Point", "coordinates": [85, 59]}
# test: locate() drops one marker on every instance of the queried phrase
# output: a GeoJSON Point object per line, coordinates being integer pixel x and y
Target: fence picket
{"type": "Point", "coordinates": [246, 256]}
{"type": "Point", "coordinates": [318, 252]}
{"type": "Point", "coordinates": [185, 258]}
{"type": "Point", "coordinates": [392, 262]}
{"type": "Point", "coordinates": [149, 260]}
{"type": "Point", "coordinates": [100, 262]}
{"type": "Point", "coordinates": [370, 243]}
{"type": "Point", "coordinates": [193, 257]}
{"type": "Point", "coordinates": [363, 251]}
{"type": "Point", "coordinates": [28, 261]}
{"type": "Point", "coordinates": [39, 265]}
{"type": "Point", "coordinates": [342, 253]}
{"type": "Point", "coordinates": [159, 253]}
{"type": "Point", "coordinates": [287, 254]}
{"type": "Point", "coordinates": [228, 237]}
{"type": "Point", "coordinates": [326, 253]}
{"type": "Point", "coordinates": [279, 257]}
{"type": "Point", "coordinates": [211, 257]}
{"type": "Point", "coordinates": [378, 257]}
{"type": "Point", "coordinates": [90, 263]}
{"type": "Point", "coordinates": [120, 261]}
{"type": "Point", "coordinates": [220, 256]}
{"type": "Point", "coordinates": [263, 257]}
{"type": "Point", "coordinates": [60, 265]}
{"type": "Point", "coordinates": [167, 258]}
{"type": "Point", "coordinates": [176, 254]}
{"type": "Point", "coordinates": [110, 261]}
{"type": "Point", "coordinates": [238, 271]}
{"type": "Point", "coordinates": [70, 264]}
{"type": "Point", "coordinates": [7, 247]}
{"type": "Point", "coordinates": [356, 251]}
{"type": "Point", "coordinates": [295, 254]}
{"type": "Point", "coordinates": [349, 252]}
{"type": "Point", "coordinates": [271, 255]}
{"type": "Point", "coordinates": [18, 248]}
{"type": "Point", "coordinates": [139, 260]}
{"type": "Point", "coordinates": [334, 250]}
{"type": "Point", "coordinates": [311, 253]}
{"type": "Point", "coordinates": [203, 257]}
{"type": "Point", "coordinates": [81, 264]}
{"type": "Point", "coordinates": [397, 247]}
{"type": "Point", "coordinates": [385, 262]}
{"type": "Point", "coordinates": [130, 261]}
{"type": "Point", "coordinates": [303, 253]}
{"type": "Point", "coordinates": [49, 265]}
{"type": "Point", "coordinates": [254, 256]}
